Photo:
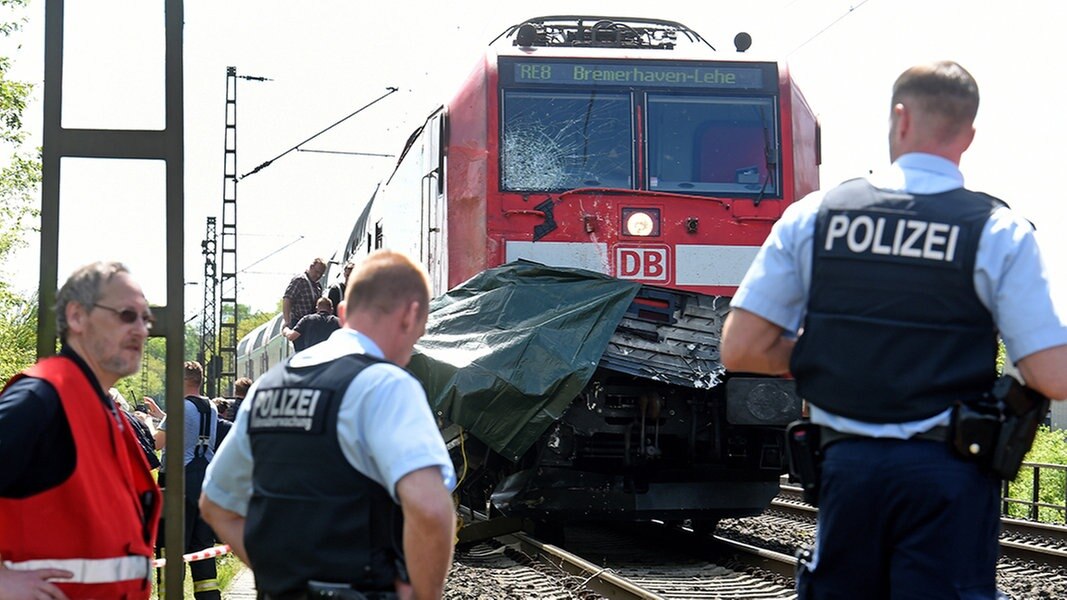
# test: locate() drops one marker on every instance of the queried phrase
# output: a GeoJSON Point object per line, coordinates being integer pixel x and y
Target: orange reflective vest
{"type": "Point", "coordinates": [101, 522]}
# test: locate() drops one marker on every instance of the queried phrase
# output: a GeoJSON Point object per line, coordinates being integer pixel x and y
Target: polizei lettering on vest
{"type": "Point", "coordinates": [893, 236]}
{"type": "Point", "coordinates": [288, 408]}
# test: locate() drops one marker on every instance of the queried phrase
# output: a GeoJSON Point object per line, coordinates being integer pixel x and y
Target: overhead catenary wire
{"type": "Point", "coordinates": [389, 91]}
{"type": "Point", "coordinates": [346, 153]}
{"type": "Point", "coordinates": [247, 267]}
{"type": "Point", "coordinates": [850, 10]}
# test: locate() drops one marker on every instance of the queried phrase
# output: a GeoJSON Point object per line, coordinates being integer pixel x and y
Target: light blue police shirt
{"type": "Point", "coordinates": [1009, 278]}
{"type": "Point", "coordinates": [191, 431]}
{"type": "Point", "coordinates": [384, 426]}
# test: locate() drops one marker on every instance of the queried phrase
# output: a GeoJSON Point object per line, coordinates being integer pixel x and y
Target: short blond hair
{"type": "Point", "coordinates": [386, 280]}
{"type": "Point", "coordinates": [193, 373]}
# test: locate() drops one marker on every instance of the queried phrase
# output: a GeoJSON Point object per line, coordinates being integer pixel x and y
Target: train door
{"type": "Point", "coordinates": [434, 249]}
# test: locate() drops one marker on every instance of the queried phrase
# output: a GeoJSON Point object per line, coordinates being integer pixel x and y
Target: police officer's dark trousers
{"type": "Point", "coordinates": [903, 519]}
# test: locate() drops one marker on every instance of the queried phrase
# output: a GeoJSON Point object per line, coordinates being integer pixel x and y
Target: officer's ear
{"type": "Point", "coordinates": [342, 310]}
{"type": "Point", "coordinates": [411, 317]}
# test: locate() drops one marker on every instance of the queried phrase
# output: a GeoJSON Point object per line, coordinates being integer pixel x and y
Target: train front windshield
{"type": "Point", "coordinates": [694, 138]}
{"type": "Point", "coordinates": [557, 141]}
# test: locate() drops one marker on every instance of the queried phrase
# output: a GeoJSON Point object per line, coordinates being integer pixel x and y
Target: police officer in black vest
{"type": "Point", "coordinates": [884, 298]}
{"type": "Point", "coordinates": [334, 482]}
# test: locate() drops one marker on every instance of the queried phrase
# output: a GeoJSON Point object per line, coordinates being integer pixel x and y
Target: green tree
{"type": "Point", "coordinates": [151, 380]}
{"type": "Point", "coordinates": [19, 181]}
{"type": "Point", "coordinates": [18, 334]}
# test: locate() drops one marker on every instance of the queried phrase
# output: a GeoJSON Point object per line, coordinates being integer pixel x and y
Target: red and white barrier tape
{"type": "Point", "coordinates": [193, 556]}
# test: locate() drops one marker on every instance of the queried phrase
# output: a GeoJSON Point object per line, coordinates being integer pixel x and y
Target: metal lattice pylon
{"type": "Point", "coordinates": [227, 353]}
{"type": "Point", "coordinates": [208, 355]}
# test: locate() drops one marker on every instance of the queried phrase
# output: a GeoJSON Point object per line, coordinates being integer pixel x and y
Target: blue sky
{"type": "Point", "coordinates": [328, 58]}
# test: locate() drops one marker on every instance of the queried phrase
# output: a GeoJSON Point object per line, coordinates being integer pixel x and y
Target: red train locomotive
{"type": "Point", "coordinates": [631, 148]}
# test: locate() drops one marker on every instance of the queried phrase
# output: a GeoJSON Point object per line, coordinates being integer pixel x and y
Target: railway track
{"type": "Point", "coordinates": [653, 561]}
{"type": "Point", "coordinates": [1020, 540]}
{"type": "Point", "coordinates": [672, 562]}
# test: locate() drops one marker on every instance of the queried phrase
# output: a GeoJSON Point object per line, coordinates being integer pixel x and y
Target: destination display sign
{"type": "Point", "coordinates": [716, 76]}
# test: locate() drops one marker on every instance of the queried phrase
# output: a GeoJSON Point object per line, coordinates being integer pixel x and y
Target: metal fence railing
{"type": "Point", "coordinates": [1039, 493]}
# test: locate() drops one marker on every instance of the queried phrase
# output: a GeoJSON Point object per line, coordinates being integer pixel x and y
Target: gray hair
{"type": "Point", "coordinates": [83, 287]}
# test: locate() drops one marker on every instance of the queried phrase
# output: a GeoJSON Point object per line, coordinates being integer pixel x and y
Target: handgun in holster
{"type": "Point", "coordinates": [1024, 410]}
{"type": "Point", "coordinates": [998, 430]}
{"type": "Point", "coordinates": [805, 457]}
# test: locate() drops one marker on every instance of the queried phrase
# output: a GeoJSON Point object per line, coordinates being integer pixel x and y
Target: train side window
{"type": "Point", "coordinates": [276, 328]}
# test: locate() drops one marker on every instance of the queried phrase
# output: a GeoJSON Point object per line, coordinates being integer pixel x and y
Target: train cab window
{"type": "Point", "coordinates": [700, 144]}
{"type": "Point", "coordinates": [555, 141]}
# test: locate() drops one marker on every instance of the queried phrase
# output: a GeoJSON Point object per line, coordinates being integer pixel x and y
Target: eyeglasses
{"type": "Point", "coordinates": [128, 315]}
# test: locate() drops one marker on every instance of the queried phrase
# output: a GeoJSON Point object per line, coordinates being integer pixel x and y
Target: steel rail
{"type": "Point", "coordinates": [598, 579]}
{"type": "Point", "coordinates": [768, 560]}
{"type": "Point", "coordinates": [1024, 549]}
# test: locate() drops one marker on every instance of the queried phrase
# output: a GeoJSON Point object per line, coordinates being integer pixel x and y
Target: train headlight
{"type": "Point", "coordinates": [640, 222]}
{"type": "Point", "coordinates": [761, 401]}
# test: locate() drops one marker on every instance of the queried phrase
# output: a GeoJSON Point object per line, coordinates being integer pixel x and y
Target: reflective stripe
{"type": "Point", "coordinates": [206, 585]}
{"type": "Point", "coordinates": [90, 570]}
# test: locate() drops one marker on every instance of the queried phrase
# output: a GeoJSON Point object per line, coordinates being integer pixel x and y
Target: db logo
{"type": "Point", "coordinates": [641, 262]}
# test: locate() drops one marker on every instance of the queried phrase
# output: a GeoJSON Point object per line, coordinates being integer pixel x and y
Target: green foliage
{"type": "Point", "coordinates": [150, 380]}
{"type": "Point", "coordinates": [18, 334]}
{"type": "Point", "coordinates": [248, 320]}
{"type": "Point", "coordinates": [12, 23]}
{"type": "Point", "coordinates": [1050, 447]}
{"type": "Point", "coordinates": [19, 180]}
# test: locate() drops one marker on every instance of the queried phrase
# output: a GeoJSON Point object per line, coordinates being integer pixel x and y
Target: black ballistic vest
{"type": "Point", "coordinates": [312, 516]}
{"type": "Point", "coordinates": [894, 330]}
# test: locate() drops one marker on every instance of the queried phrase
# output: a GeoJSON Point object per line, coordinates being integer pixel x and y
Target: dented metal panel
{"type": "Point", "coordinates": [671, 337]}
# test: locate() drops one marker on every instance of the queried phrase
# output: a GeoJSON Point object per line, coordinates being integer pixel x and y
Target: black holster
{"type": "Point", "coordinates": [999, 430]}
{"type": "Point", "coordinates": [804, 452]}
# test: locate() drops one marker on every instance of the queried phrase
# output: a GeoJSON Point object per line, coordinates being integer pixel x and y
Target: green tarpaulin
{"type": "Point", "coordinates": [506, 352]}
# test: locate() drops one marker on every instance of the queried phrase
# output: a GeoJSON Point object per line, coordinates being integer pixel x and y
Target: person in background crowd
{"type": "Point", "coordinates": [240, 388]}
{"type": "Point", "coordinates": [222, 405]}
{"type": "Point", "coordinates": [78, 505]}
{"type": "Point", "coordinates": [884, 298]}
{"type": "Point", "coordinates": [200, 431]}
{"type": "Point", "coordinates": [143, 427]}
{"type": "Point", "coordinates": [336, 293]}
{"type": "Point", "coordinates": [302, 292]}
{"type": "Point", "coordinates": [224, 425]}
{"type": "Point", "coordinates": [359, 464]}
{"type": "Point", "coordinates": [315, 328]}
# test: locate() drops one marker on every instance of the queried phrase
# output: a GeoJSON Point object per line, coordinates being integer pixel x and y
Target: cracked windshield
{"type": "Point", "coordinates": [562, 141]}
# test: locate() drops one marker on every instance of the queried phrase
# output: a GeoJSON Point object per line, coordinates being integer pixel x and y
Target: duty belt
{"type": "Point", "coordinates": [829, 436]}
{"type": "Point", "coordinates": [337, 594]}
{"type": "Point", "coordinates": [90, 570]}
